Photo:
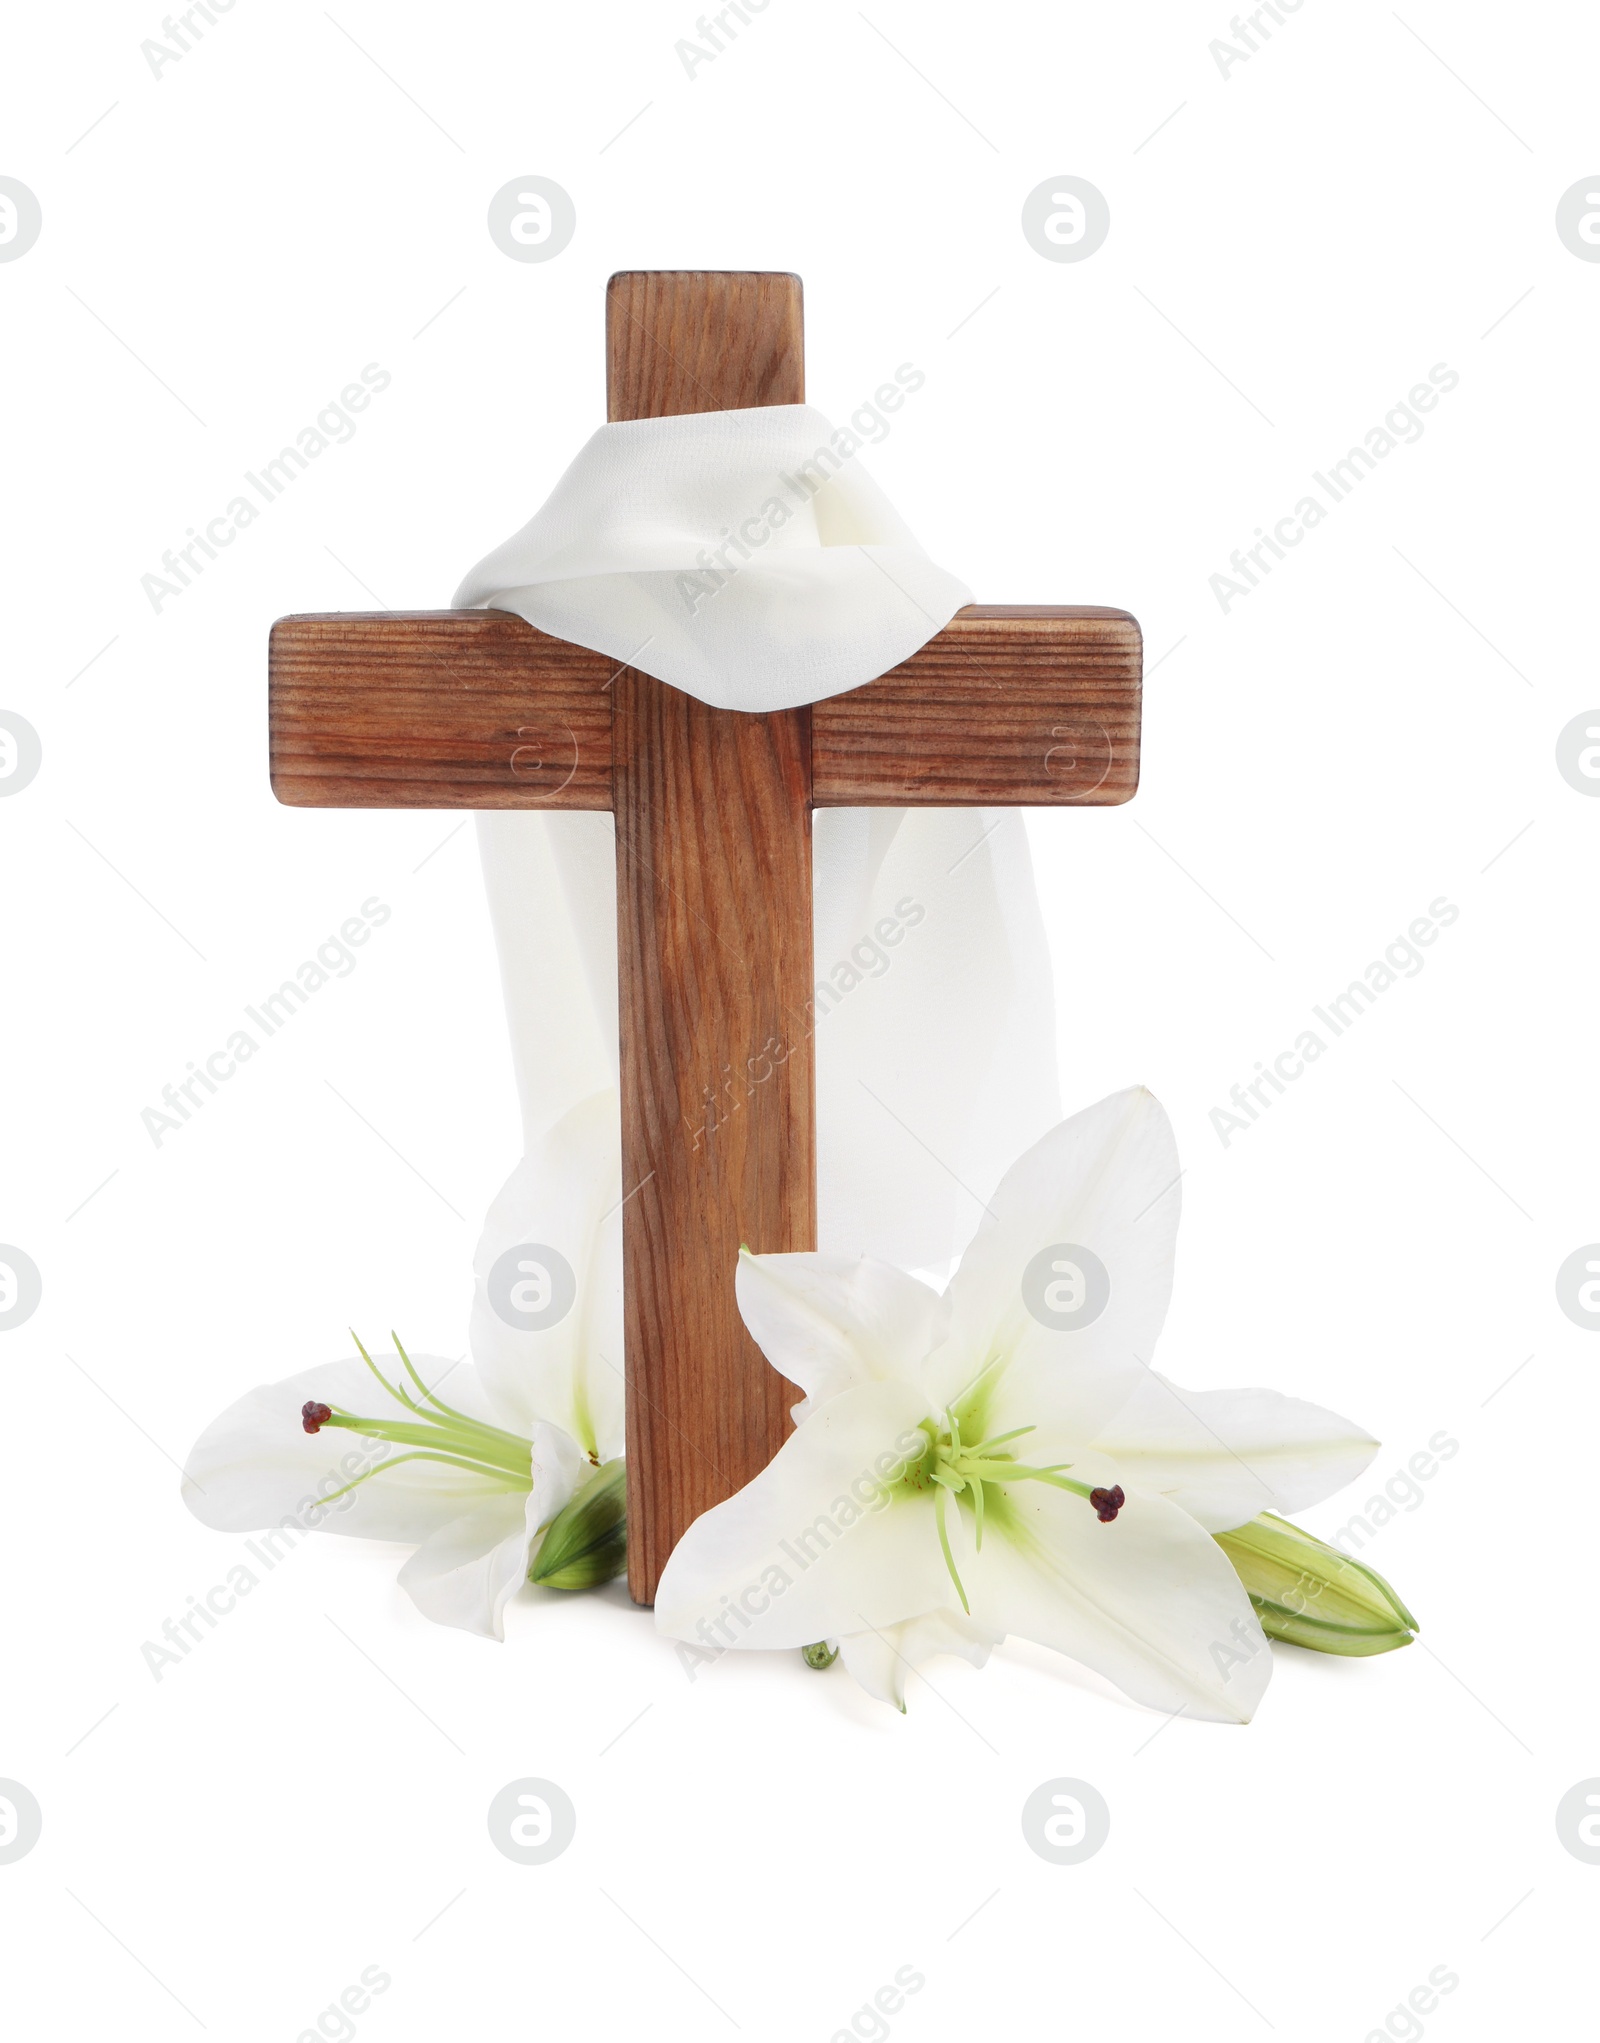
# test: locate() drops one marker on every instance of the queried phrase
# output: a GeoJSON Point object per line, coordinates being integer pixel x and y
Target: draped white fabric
{"type": "Point", "coordinates": [935, 1037]}
{"type": "Point", "coordinates": [741, 555]}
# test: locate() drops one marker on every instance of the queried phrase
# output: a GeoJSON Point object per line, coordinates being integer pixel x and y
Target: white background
{"type": "Point", "coordinates": [1371, 728]}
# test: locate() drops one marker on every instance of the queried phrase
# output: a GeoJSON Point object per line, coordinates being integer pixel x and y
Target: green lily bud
{"type": "Point", "coordinates": [820, 1655]}
{"type": "Point", "coordinates": [586, 1542]}
{"type": "Point", "coordinates": [1307, 1592]}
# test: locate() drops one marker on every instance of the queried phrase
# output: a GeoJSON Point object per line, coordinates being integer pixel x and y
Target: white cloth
{"type": "Point", "coordinates": [741, 555]}
{"type": "Point", "coordinates": [935, 1032]}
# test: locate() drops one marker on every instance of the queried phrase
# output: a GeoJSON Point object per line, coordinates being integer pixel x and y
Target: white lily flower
{"type": "Point", "coordinates": [1002, 1459]}
{"type": "Point", "coordinates": [467, 1462]}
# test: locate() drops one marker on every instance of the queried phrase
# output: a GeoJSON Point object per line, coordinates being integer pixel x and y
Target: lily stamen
{"type": "Point", "coordinates": [431, 1432]}
{"type": "Point", "coordinates": [425, 1454]}
{"type": "Point", "coordinates": [399, 1393]}
{"type": "Point", "coordinates": [965, 1473]}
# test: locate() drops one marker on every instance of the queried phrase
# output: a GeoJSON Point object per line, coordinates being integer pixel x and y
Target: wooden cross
{"type": "Point", "coordinates": [477, 709]}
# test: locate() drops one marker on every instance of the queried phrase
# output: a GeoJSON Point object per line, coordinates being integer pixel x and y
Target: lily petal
{"type": "Point", "coordinates": [831, 1322]}
{"type": "Point", "coordinates": [1149, 1601]}
{"type": "Point", "coordinates": [801, 1553]}
{"type": "Point", "coordinates": [1225, 1455]}
{"type": "Point", "coordinates": [256, 1466]}
{"type": "Point", "coordinates": [566, 1195]}
{"type": "Point", "coordinates": [466, 1573]}
{"type": "Point", "coordinates": [1105, 1180]}
{"type": "Point", "coordinates": [881, 1661]}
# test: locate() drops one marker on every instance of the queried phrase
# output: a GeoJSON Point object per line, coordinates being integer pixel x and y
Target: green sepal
{"type": "Point", "coordinates": [1309, 1594]}
{"type": "Point", "coordinates": [586, 1542]}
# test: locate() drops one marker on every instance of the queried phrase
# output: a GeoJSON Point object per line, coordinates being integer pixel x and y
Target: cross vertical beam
{"type": "Point", "coordinates": [714, 962]}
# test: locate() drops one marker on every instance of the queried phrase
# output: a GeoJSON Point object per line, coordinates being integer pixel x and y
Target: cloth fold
{"type": "Point", "coordinates": [744, 556]}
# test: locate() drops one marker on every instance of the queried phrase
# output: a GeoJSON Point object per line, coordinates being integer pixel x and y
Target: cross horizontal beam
{"type": "Point", "coordinates": [1021, 705]}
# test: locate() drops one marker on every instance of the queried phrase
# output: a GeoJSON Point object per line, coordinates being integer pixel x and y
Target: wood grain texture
{"type": "Point", "coordinates": [477, 709]}
{"type": "Point", "coordinates": [1010, 705]}
{"type": "Point", "coordinates": [718, 1091]}
{"type": "Point", "coordinates": [702, 340]}
{"type": "Point", "coordinates": [436, 709]}
{"type": "Point", "coordinates": [713, 967]}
